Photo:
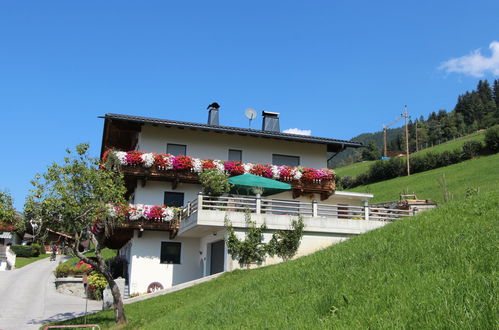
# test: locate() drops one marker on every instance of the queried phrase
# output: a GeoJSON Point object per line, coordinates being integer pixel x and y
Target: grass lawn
{"type": "Point", "coordinates": [21, 261]}
{"type": "Point", "coordinates": [482, 173]}
{"type": "Point", "coordinates": [438, 270]}
{"type": "Point", "coordinates": [362, 167]}
{"type": "Point", "coordinates": [106, 253]}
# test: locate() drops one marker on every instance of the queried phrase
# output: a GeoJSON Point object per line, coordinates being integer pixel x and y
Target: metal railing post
{"type": "Point", "coordinates": [200, 201]}
{"type": "Point", "coordinates": [315, 209]}
{"type": "Point", "coordinates": [258, 204]}
{"type": "Point", "coordinates": [366, 210]}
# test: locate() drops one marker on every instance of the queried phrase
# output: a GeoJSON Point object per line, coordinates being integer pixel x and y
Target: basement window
{"type": "Point", "coordinates": [170, 252]}
{"type": "Point", "coordinates": [285, 160]}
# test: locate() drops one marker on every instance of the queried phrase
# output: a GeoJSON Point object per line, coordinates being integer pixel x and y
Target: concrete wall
{"type": "Point", "coordinates": [216, 146]}
{"type": "Point", "coordinates": [310, 243]}
{"type": "Point", "coordinates": [145, 266]}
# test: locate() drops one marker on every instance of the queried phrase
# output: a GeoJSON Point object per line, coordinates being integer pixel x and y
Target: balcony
{"type": "Point", "coordinates": [206, 213]}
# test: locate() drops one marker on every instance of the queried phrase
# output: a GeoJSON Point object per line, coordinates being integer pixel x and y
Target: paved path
{"type": "Point", "coordinates": [28, 297]}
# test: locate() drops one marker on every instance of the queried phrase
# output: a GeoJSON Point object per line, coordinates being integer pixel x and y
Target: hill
{"type": "Point", "coordinates": [481, 172]}
{"type": "Point", "coordinates": [362, 167]}
{"type": "Point", "coordinates": [437, 270]}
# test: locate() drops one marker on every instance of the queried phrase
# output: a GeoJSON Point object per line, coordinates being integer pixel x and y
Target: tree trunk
{"type": "Point", "coordinates": [100, 266]}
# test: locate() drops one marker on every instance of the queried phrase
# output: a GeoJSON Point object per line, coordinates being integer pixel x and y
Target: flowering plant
{"type": "Point", "coordinates": [182, 162]}
{"type": "Point", "coordinates": [168, 162]}
{"type": "Point", "coordinates": [234, 168]}
{"type": "Point", "coordinates": [262, 170]}
{"type": "Point", "coordinates": [134, 157]}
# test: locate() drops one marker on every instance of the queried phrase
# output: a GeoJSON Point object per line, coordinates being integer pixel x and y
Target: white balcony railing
{"type": "Point", "coordinates": [291, 207]}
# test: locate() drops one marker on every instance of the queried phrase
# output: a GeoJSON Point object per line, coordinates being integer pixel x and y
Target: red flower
{"type": "Point", "coordinates": [182, 162]}
{"type": "Point", "coordinates": [159, 159]}
{"type": "Point", "coordinates": [309, 175]}
{"type": "Point", "coordinates": [286, 172]}
{"type": "Point", "coordinates": [234, 167]}
{"type": "Point", "coordinates": [262, 170]}
{"type": "Point", "coordinates": [134, 157]}
{"type": "Point", "coordinates": [207, 164]}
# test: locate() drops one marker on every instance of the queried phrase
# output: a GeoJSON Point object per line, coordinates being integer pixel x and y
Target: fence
{"type": "Point", "coordinates": [292, 207]}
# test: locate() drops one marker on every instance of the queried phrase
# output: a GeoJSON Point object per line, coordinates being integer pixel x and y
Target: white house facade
{"type": "Point", "coordinates": [166, 253]}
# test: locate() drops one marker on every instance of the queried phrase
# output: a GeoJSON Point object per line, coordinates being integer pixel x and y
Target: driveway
{"type": "Point", "coordinates": [28, 297]}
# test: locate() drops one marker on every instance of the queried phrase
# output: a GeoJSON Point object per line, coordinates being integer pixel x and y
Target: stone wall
{"type": "Point", "coordinates": [72, 286]}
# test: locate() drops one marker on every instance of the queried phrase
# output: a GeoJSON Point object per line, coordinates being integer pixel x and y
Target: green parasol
{"type": "Point", "coordinates": [247, 182]}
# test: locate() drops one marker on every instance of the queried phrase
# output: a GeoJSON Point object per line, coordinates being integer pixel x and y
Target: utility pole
{"type": "Point", "coordinates": [417, 147]}
{"type": "Point", "coordinates": [406, 116]}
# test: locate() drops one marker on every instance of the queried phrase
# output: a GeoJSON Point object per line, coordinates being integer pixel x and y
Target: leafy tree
{"type": "Point", "coordinates": [285, 243]}
{"type": "Point", "coordinates": [7, 211]}
{"type": "Point", "coordinates": [214, 183]}
{"type": "Point", "coordinates": [371, 152]}
{"type": "Point", "coordinates": [249, 250]}
{"type": "Point", "coordinates": [74, 197]}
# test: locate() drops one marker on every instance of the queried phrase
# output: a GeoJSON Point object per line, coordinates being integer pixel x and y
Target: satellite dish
{"type": "Point", "coordinates": [250, 114]}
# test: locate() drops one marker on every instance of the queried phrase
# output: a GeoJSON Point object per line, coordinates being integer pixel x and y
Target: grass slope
{"type": "Point", "coordinates": [482, 172]}
{"type": "Point", "coordinates": [21, 261]}
{"type": "Point", "coordinates": [362, 167]}
{"type": "Point", "coordinates": [438, 270]}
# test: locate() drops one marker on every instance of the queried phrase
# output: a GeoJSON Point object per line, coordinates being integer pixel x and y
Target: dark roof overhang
{"type": "Point", "coordinates": [333, 145]}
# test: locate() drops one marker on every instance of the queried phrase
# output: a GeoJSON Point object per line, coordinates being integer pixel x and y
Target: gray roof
{"type": "Point", "coordinates": [333, 144]}
{"type": "Point", "coordinates": [6, 235]}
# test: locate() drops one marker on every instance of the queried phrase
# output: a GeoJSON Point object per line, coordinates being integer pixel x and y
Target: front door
{"type": "Point", "coordinates": [217, 257]}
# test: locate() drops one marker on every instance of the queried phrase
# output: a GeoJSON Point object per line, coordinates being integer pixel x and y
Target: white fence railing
{"type": "Point", "coordinates": [292, 207]}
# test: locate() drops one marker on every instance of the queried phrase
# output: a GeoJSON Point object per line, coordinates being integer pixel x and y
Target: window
{"type": "Point", "coordinates": [285, 160]}
{"type": "Point", "coordinates": [170, 253]}
{"type": "Point", "coordinates": [174, 199]}
{"type": "Point", "coordinates": [235, 155]}
{"type": "Point", "coordinates": [176, 149]}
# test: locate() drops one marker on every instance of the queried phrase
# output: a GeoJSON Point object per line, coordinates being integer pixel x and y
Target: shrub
{"type": "Point", "coordinates": [36, 250]}
{"type": "Point", "coordinates": [214, 182]}
{"type": "Point", "coordinates": [361, 180]}
{"type": "Point", "coordinates": [346, 182]}
{"type": "Point", "coordinates": [22, 250]}
{"type": "Point", "coordinates": [492, 138]}
{"type": "Point", "coordinates": [96, 284]}
{"type": "Point", "coordinates": [65, 270]}
{"type": "Point", "coordinates": [386, 169]}
{"type": "Point", "coordinates": [471, 149]}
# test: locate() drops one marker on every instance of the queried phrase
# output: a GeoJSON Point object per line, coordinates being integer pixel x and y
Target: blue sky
{"type": "Point", "coordinates": [338, 68]}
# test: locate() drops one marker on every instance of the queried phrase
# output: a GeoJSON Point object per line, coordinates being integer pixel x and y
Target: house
{"type": "Point", "coordinates": [8, 236]}
{"type": "Point", "coordinates": [161, 160]}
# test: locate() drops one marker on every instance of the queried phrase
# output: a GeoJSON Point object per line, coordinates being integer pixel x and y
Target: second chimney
{"type": "Point", "coordinates": [270, 121]}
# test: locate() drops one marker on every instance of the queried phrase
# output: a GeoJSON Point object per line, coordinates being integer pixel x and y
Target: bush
{"type": "Point", "coordinates": [24, 251]}
{"type": "Point", "coordinates": [346, 182]}
{"type": "Point", "coordinates": [471, 149]}
{"type": "Point", "coordinates": [96, 284]}
{"type": "Point", "coordinates": [36, 250]}
{"type": "Point", "coordinates": [492, 138]}
{"type": "Point", "coordinates": [214, 182]}
{"type": "Point", "coordinates": [65, 270]}
{"type": "Point", "coordinates": [386, 169]}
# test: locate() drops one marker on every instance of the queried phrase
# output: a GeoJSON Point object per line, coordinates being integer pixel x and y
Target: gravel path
{"type": "Point", "coordinates": [28, 297]}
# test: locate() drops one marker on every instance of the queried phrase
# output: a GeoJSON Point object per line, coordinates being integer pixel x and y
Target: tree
{"type": "Point", "coordinates": [7, 211]}
{"type": "Point", "coordinates": [74, 198]}
{"type": "Point", "coordinates": [371, 152]}
{"type": "Point", "coordinates": [285, 243]}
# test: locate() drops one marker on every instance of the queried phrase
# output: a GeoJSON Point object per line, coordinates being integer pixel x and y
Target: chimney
{"type": "Point", "coordinates": [270, 121]}
{"type": "Point", "coordinates": [213, 114]}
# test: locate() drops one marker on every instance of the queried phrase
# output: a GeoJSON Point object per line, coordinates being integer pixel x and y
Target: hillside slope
{"type": "Point", "coordinates": [438, 270]}
{"type": "Point", "coordinates": [361, 167]}
{"type": "Point", "coordinates": [481, 172]}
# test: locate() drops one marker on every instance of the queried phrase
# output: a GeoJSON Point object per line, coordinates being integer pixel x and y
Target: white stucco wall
{"type": "Point", "coordinates": [212, 145]}
{"type": "Point", "coordinates": [145, 266]}
{"type": "Point", "coordinates": [154, 192]}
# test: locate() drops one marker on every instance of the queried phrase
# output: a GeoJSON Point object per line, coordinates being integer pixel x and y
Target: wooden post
{"type": "Point", "coordinates": [366, 210]}
{"type": "Point", "coordinates": [406, 116]}
{"type": "Point", "coordinates": [315, 211]}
